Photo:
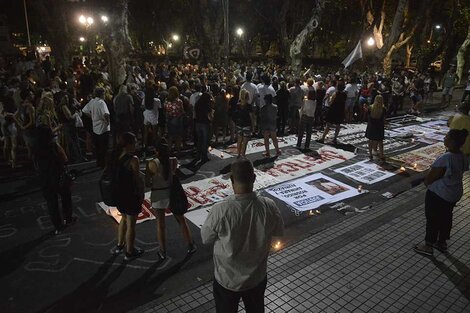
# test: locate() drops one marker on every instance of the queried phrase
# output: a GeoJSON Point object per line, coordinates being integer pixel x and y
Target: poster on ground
{"type": "Point", "coordinates": [303, 164]}
{"type": "Point", "coordinates": [366, 172]}
{"type": "Point", "coordinates": [421, 159]}
{"type": "Point", "coordinates": [146, 214]}
{"type": "Point", "coordinates": [257, 145]}
{"type": "Point", "coordinates": [312, 191]}
{"type": "Point", "coordinates": [391, 145]}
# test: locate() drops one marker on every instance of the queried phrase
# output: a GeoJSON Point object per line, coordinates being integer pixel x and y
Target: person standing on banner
{"type": "Point", "coordinates": [307, 119]}
{"type": "Point", "coordinates": [268, 117]}
{"type": "Point", "coordinates": [375, 130]}
{"type": "Point", "coordinates": [130, 193]}
{"type": "Point", "coordinates": [296, 97]}
{"type": "Point", "coordinates": [242, 118]}
{"type": "Point", "coordinates": [98, 110]}
{"type": "Point", "coordinates": [445, 188]}
{"type": "Point", "coordinates": [335, 114]}
{"type": "Point", "coordinates": [253, 98]}
{"type": "Point", "coordinates": [158, 175]}
{"type": "Point", "coordinates": [241, 228]}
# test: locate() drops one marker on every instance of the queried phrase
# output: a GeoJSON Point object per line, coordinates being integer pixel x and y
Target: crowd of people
{"type": "Point", "coordinates": [163, 111]}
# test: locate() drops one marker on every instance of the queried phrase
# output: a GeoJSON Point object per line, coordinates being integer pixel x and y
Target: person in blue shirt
{"type": "Point", "coordinates": [445, 188]}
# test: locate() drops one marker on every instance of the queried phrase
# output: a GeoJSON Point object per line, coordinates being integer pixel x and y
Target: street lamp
{"type": "Point", "coordinates": [370, 42]}
{"type": "Point", "coordinates": [104, 18]}
{"type": "Point", "coordinates": [239, 32]}
{"type": "Point", "coordinates": [175, 37]}
{"type": "Point", "coordinates": [82, 39]}
{"type": "Point", "coordinates": [90, 20]}
{"type": "Point", "coordinates": [82, 19]}
{"type": "Point", "coordinates": [437, 26]}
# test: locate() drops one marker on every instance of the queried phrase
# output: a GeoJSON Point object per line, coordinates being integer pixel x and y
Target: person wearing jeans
{"type": "Point", "coordinates": [307, 120]}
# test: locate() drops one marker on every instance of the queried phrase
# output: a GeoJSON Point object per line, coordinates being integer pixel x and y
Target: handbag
{"type": "Point", "coordinates": [178, 200]}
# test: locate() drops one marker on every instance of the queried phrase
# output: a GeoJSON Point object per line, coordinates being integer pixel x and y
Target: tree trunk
{"type": "Point", "coordinates": [461, 56]}
{"type": "Point", "coordinates": [118, 43]}
{"type": "Point", "coordinates": [409, 49]}
{"type": "Point", "coordinates": [283, 28]}
{"type": "Point", "coordinates": [387, 63]}
{"type": "Point", "coordinates": [397, 24]}
{"type": "Point", "coordinates": [298, 43]}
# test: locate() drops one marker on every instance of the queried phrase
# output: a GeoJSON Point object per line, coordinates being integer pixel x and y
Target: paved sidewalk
{"type": "Point", "coordinates": [363, 264]}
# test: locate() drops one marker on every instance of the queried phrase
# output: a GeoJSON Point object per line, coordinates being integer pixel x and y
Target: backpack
{"type": "Point", "coordinates": [109, 183]}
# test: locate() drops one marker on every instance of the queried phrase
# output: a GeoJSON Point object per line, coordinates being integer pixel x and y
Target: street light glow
{"type": "Point", "coordinates": [175, 37]}
{"type": "Point", "coordinates": [170, 45]}
{"type": "Point", "coordinates": [438, 26]}
{"type": "Point", "coordinates": [104, 18]}
{"type": "Point", "coordinates": [370, 42]}
{"type": "Point", "coordinates": [82, 39]}
{"type": "Point", "coordinates": [90, 20]}
{"type": "Point", "coordinates": [82, 19]}
{"type": "Point", "coordinates": [239, 31]}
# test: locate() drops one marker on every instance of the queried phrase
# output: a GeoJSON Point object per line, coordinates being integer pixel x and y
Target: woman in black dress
{"type": "Point", "coordinates": [375, 128]}
{"type": "Point", "coordinates": [336, 112]}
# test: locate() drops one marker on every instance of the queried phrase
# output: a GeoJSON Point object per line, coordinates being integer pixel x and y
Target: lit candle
{"type": "Point", "coordinates": [412, 140]}
{"type": "Point", "coordinates": [221, 155]}
{"type": "Point", "coordinates": [210, 148]}
{"type": "Point", "coordinates": [277, 245]}
{"type": "Point", "coordinates": [317, 211]}
{"type": "Point", "coordinates": [415, 165]}
{"type": "Point", "coordinates": [359, 188]}
{"type": "Point", "coordinates": [310, 213]}
{"type": "Point", "coordinates": [402, 169]}
{"type": "Point", "coordinates": [227, 96]}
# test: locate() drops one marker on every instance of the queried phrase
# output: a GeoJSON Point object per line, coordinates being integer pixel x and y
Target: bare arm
{"type": "Point", "coordinates": [435, 173]}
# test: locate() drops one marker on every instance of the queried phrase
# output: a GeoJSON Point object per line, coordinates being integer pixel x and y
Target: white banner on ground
{"type": "Point", "coordinates": [257, 145]}
{"type": "Point", "coordinates": [439, 125]}
{"type": "Point", "coordinates": [312, 191]}
{"type": "Point", "coordinates": [146, 214]}
{"type": "Point", "coordinates": [365, 172]}
{"type": "Point", "coordinates": [391, 145]}
{"type": "Point", "coordinates": [421, 159]}
{"type": "Point", "coordinates": [300, 165]}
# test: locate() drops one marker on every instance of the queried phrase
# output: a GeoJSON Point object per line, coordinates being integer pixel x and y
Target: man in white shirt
{"type": "Point", "coordinates": [241, 228]}
{"type": "Point", "coordinates": [253, 97]}
{"type": "Point", "coordinates": [99, 113]}
{"type": "Point", "coordinates": [265, 89]}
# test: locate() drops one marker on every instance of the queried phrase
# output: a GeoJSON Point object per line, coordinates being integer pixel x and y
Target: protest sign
{"type": "Point", "coordinates": [421, 159]}
{"type": "Point", "coordinates": [365, 172]}
{"type": "Point", "coordinates": [312, 191]}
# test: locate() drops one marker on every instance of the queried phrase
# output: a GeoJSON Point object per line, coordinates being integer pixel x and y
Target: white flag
{"type": "Point", "coordinates": [355, 55]}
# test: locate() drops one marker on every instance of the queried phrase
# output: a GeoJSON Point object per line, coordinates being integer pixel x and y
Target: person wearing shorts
{"type": "Point", "coordinates": [243, 122]}
{"type": "Point", "coordinates": [448, 82]}
{"type": "Point", "coordinates": [158, 176]}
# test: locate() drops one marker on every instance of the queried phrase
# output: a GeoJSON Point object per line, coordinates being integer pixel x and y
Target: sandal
{"type": "Point", "coordinates": [423, 249]}
{"type": "Point", "coordinates": [118, 249]}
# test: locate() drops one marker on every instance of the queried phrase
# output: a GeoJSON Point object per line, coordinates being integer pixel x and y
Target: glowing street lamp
{"type": "Point", "coordinates": [437, 26]}
{"type": "Point", "coordinates": [239, 32]}
{"type": "Point", "coordinates": [82, 39]}
{"type": "Point", "coordinates": [82, 19]}
{"type": "Point", "coordinates": [104, 18]}
{"type": "Point", "coordinates": [370, 42]}
{"type": "Point", "coordinates": [90, 20]}
{"type": "Point", "coordinates": [175, 37]}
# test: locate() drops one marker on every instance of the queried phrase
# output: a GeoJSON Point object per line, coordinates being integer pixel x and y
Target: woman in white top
{"type": "Point", "coordinates": [158, 176]}
{"type": "Point", "coordinates": [151, 104]}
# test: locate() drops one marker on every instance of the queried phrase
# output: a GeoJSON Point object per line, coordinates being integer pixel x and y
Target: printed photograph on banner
{"type": "Point", "coordinates": [257, 145]}
{"type": "Point", "coordinates": [327, 186]}
{"type": "Point", "coordinates": [365, 172]}
{"type": "Point", "coordinates": [312, 191]}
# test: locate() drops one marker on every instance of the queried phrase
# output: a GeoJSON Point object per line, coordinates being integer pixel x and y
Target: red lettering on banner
{"type": "Point", "coordinates": [201, 197]}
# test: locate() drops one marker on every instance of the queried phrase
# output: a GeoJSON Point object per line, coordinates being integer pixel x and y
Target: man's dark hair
{"type": "Point", "coordinates": [243, 172]}
{"type": "Point", "coordinates": [249, 76]}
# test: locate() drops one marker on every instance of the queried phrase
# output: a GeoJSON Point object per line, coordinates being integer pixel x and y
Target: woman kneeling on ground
{"type": "Point", "coordinates": [445, 188]}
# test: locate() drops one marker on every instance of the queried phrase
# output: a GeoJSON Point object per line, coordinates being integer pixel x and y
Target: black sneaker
{"type": "Point", "coordinates": [134, 254]}
{"type": "Point", "coordinates": [118, 249]}
{"type": "Point", "coordinates": [192, 248]}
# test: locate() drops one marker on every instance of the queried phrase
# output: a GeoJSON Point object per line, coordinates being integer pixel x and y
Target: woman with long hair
{"type": "Point", "coordinates": [158, 176]}
{"type": "Point", "coordinates": [243, 124]}
{"type": "Point", "coordinates": [130, 193]}
{"type": "Point", "coordinates": [375, 128]}
{"type": "Point", "coordinates": [174, 114]}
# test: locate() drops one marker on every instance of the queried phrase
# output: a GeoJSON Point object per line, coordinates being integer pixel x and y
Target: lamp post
{"type": "Point", "coordinates": [370, 41]}
{"type": "Point", "coordinates": [240, 33]}
{"type": "Point", "coordinates": [27, 22]}
{"type": "Point", "coordinates": [225, 8]}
